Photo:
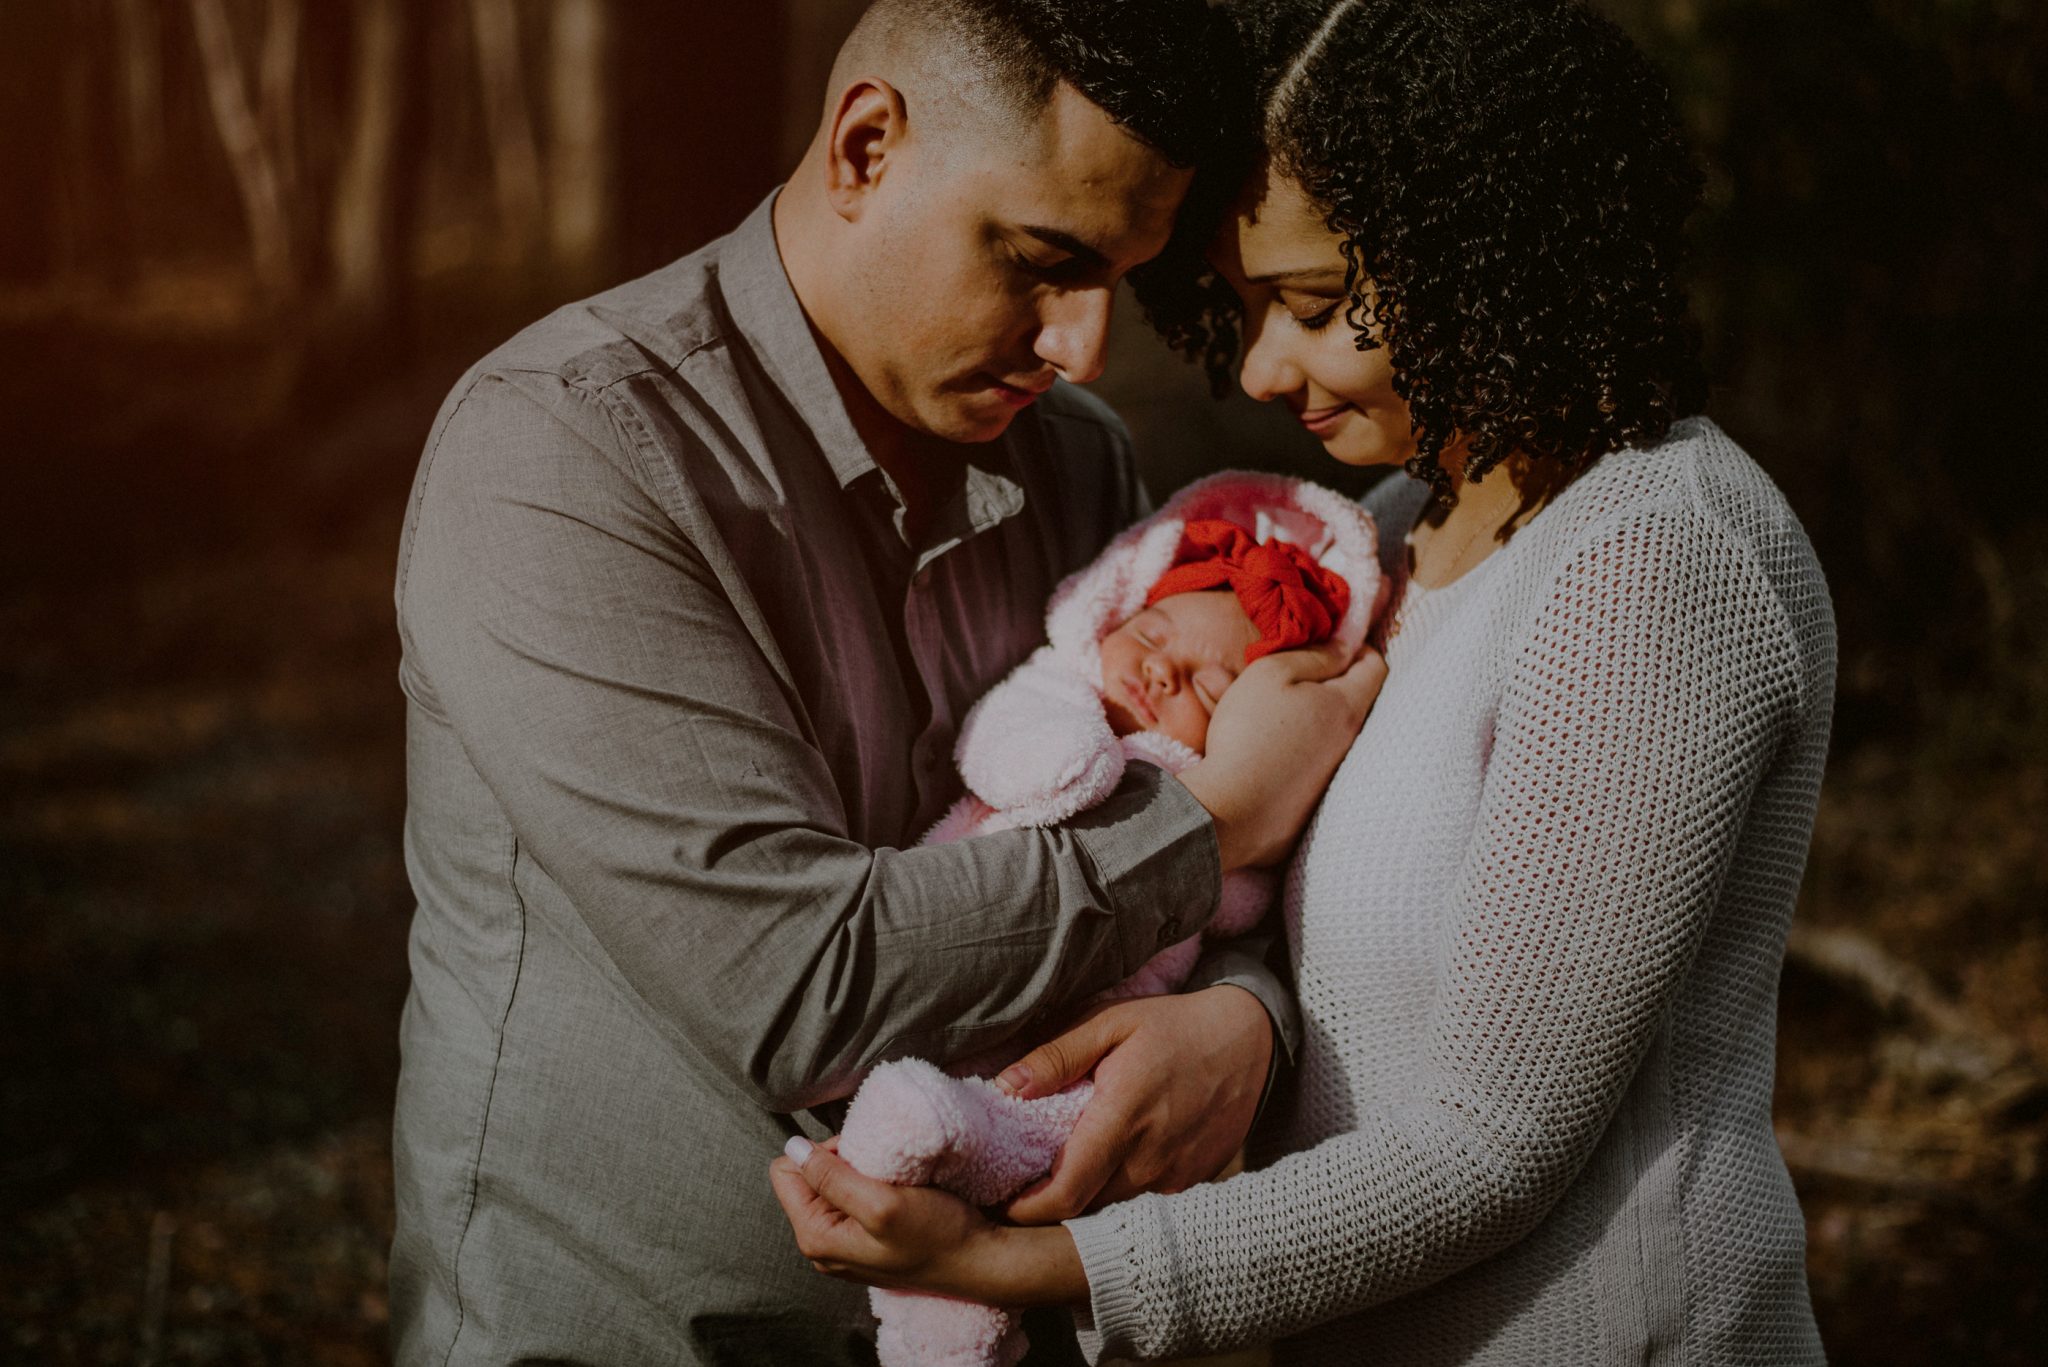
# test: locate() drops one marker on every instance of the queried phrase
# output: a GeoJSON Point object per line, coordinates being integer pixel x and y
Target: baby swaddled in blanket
{"type": "Point", "coordinates": [1141, 645]}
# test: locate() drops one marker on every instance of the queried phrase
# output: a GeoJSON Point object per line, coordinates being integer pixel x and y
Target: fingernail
{"type": "Point", "coordinates": [798, 1150]}
{"type": "Point", "coordinates": [1013, 1080]}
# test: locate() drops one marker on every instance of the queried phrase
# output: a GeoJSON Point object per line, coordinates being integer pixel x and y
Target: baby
{"type": "Point", "coordinates": [1141, 646]}
{"type": "Point", "coordinates": [1165, 669]}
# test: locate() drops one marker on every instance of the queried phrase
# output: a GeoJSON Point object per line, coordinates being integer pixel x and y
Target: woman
{"type": "Point", "coordinates": [1538, 919]}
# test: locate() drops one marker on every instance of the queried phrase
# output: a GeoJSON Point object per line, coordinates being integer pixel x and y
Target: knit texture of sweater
{"type": "Point", "coordinates": [1536, 927]}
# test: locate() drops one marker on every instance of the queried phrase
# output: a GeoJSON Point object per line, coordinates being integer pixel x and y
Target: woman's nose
{"type": "Point", "coordinates": [1268, 370]}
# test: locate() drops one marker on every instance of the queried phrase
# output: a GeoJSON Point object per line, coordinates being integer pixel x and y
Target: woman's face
{"type": "Point", "coordinates": [1288, 270]}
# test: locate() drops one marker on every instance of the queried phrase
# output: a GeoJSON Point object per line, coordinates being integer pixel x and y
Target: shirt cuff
{"type": "Point", "coordinates": [1248, 962]}
{"type": "Point", "coordinates": [1153, 848]}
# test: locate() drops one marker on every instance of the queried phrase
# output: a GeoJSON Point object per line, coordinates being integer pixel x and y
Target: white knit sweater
{"type": "Point", "coordinates": [1536, 928]}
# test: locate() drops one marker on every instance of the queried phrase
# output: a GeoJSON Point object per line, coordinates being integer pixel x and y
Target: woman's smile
{"type": "Point", "coordinates": [1323, 421]}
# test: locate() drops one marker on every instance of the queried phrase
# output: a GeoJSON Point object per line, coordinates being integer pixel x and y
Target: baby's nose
{"type": "Point", "coordinates": [1158, 672]}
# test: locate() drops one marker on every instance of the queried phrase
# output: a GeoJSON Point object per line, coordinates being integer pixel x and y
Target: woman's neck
{"type": "Point", "coordinates": [1486, 513]}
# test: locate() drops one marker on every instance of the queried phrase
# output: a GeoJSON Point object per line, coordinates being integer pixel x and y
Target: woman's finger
{"type": "Point", "coordinates": [819, 1227]}
{"type": "Point", "coordinates": [1309, 664]}
{"type": "Point", "coordinates": [1361, 683]}
{"type": "Point", "coordinates": [843, 1186]}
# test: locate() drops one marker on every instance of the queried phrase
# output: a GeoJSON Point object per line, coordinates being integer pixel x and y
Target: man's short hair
{"type": "Point", "coordinates": [1159, 68]}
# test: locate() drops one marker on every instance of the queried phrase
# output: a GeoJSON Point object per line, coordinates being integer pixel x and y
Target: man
{"type": "Point", "coordinates": [698, 580]}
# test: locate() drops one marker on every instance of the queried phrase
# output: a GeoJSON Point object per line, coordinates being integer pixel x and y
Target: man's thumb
{"type": "Point", "coordinates": [1056, 1064]}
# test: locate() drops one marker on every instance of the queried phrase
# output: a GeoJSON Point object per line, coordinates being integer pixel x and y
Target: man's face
{"type": "Point", "coordinates": [987, 264]}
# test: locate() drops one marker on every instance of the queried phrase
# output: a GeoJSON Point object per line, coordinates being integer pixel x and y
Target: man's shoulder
{"type": "Point", "coordinates": [657, 322]}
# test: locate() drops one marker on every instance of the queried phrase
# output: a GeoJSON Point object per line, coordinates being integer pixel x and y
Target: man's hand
{"type": "Point", "coordinates": [1277, 737]}
{"type": "Point", "coordinates": [1177, 1083]}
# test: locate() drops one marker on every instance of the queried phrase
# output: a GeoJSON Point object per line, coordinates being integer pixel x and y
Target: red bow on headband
{"type": "Point", "coordinates": [1291, 599]}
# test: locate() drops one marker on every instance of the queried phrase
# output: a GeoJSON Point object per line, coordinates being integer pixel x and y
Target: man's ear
{"type": "Point", "coordinates": [867, 133]}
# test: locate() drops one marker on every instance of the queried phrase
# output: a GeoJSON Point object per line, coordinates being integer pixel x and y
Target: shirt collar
{"type": "Point", "coordinates": [765, 309]}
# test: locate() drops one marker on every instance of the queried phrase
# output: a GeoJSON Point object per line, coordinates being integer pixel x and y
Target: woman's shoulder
{"type": "Point", "coordinates": [1700, 485]}
{"type": "Point", "coordinates": [1690, 526]}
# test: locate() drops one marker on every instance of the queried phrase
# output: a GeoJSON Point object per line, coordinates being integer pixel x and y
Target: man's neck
{"type": "Point", "coordinates": [924, 469]}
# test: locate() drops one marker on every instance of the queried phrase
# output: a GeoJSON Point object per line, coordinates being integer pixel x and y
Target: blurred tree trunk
{"type": "Point", "coordinates": [253, 161]}
{"type": "Point", "coordinates": [368, 231]}
{"type": "Point", "coordinates": [579, 136]}
{"type": "Point", "coordinates": [142, 87]}
{"type": "Point", "coordinates": [87, 232]}
{"type": "Point", "coordinates": [277, 70]}
{"type": "Point", "coordinates": [32, 180]}
{"type": "Point", "coordinates": [139, 96]}
{"type": "Point", "coordinates": [508, 125]}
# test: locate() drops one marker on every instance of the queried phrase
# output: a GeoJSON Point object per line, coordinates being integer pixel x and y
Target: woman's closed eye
{"type": "Point", "coordinates": [1312, 313]}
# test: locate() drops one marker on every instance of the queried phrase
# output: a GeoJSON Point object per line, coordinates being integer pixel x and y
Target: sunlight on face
{"type": "Point", "coordinates": [1287, 267]}
{"type": "Point", "coordinates": [990, 262]}
{"type": "Point", "coordinates": [1166, 668]}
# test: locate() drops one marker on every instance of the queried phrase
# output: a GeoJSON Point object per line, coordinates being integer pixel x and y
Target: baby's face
{"type": "Point", "coordinates": [1164, 669]}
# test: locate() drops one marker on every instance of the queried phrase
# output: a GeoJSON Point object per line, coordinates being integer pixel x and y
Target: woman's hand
{"type": "Point", "coordinates": [1177, 1085]}
{"type": "Point", "coordinates": [1278, 735]}
{"type": "Point", "coordinates": [917, 1238]}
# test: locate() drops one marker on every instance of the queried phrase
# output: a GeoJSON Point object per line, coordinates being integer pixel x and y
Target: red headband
{"type": "Point", "coordinates": [1291, 599]}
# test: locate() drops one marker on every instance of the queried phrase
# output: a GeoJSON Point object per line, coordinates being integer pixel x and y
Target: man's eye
{"type": "Point", "coordinates": [1053, 272]}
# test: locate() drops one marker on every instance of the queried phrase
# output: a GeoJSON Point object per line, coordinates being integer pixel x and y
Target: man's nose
{"type": "Point", "coordinates": [1073, 332]}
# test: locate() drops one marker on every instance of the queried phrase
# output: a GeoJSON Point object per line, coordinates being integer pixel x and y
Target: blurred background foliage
{"type": "Point", "coordinates": [250, 243]}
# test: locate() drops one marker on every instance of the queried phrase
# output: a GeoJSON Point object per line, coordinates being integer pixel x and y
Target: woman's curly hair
{"type": "Point", "coordinates": [1511, 183]}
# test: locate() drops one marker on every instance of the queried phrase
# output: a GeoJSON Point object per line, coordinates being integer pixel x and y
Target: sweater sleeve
{"type": "Point", "coordinates": [1639, 712]}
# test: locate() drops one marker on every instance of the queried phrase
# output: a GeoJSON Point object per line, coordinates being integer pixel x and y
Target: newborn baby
{"type": "Point", "coordinates": [1165, 669]}
{"type": "Point", "coordinates": [1141, 646]}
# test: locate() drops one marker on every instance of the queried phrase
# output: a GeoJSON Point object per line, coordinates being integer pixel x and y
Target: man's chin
{"type": "Point", "coordinates": [977, 417]}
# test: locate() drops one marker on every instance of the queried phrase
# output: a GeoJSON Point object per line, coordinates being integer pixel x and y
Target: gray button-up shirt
{"type": "Point", "coordinates": [681, 698]}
